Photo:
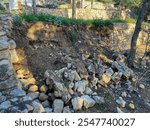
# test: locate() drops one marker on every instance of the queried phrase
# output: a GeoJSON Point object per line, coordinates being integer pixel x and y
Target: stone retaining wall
{"type": "Point", "coordinates": [12, 97]}
{"type": "Point", "coordinates": [87, 13]}
{"type": "Point", "coordinates": [122, 35]}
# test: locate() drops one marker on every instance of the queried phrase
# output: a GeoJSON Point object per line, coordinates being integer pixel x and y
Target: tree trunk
{"type": "Point", "coordinates": [82, 4]}
{"type": "Point", "coordinates": [92, 3]}
{"type": "Point", "coordinates": [74, 9]}
{"type": "Point", "coordinates": [137, 30]}
{"type": "Point", "coordinates": [34, 6]}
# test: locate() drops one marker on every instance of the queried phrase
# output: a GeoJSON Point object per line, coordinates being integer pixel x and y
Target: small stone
{"type": "Point", "coordinates": [106, 78]}
{"type": "Point", "coordinates": [46, 104]}
{"type": "Point", "coordinates": [38, 108]}
{"type": "Point", "coordinates": [43, 88]}
{"type": "Point", "coordinates": [94, 82]}
{"type": "Point", "coordinates": [14, 100]}
{"type": "Point", "coordinates": [69, 65]}
{"type": "Point", "coordinates": [17, 92]}
{"type": "Point", "coordinates": [48, 110]}
{"type": "Point", "coordinates": [43, 97]}
{"type": "Point", "coordinates": [109, 72]}
{"type": "Point", "coordinates": [119, 110]}
{"type": "Point", "coordinates": [66, 109]}
{"type": "Point", "coordinates": [0, 94]}
{"type": "Point", "coordinates": [121, 102]}
{"type": "Point", "coordinates": [26, 99]}
{"type": "Point", "coordinates": [99, 99]}
{"type": "Point", "coordinates": [131, 106]}
{"type": "Point", "coordinates": [88, 101]}
{"type": "Point", "coordinates": [94, 94]}
{"type": "Point", "coordinates": [33, 88]}
{"type": "Point", "coordinates": [29, 107]}
{"type": "Point", "coordinates": [71, 85]}
{"type": "Point", "coordinates": [88, 91]}
{"type": "Point", "coordinates": [58, 105]}
{"type": "Point", "coordinates": [141, 86]}
{"type": "Point", "coordinates": [124, 94]}
{"type": "Point", "coordinates": [57, 94]}
{"type": "Point", "coordinates": [72, 75]}
{"type": "Point", "coordinates": [33, 95]}
{"type": "Point", "coordinates": [2, 99]}
{"type": "Point", "coordinates": [91, 68]}
{"type": "Point", "coordinates": [5, 105]}
{"type": "Point", "coordinates": [80, 86]}
{"type": "Point", "coordinates": [77, 103]}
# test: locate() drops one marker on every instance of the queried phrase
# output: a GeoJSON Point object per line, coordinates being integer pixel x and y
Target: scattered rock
{"type": "Point", "coordinates": [88, 101]}
{"type": "Point", "coordinates": [106, 78]}
{"type": "Point", "coordinates": [5, 105]}
{"type": "Point", "coordinates": [38, 108]}
{"type": "Point", "coordinates": [122, 68]}
{"type": "Point", "coordinates": [141, 86]}
{"type": "Point", "coordinates": [29, 107]}
{"type": "Point", "coordinates": [58, 105]}
{"type": "Point", "coordinates": [43, 97]}
{"type": "Point", "coordinates": [66, 109]}
{"type": "Point", "coordinates": [77, 103]}
{"type": "Point", "coordinates": [124, 94]}
{"type": "Point", "coordinates": [88, 91]}
{"type": "Point", "coordinates": [131, 106]}
{"type": "Point", "coordinates": [80, 86]}
{"type": "Point", "coordinates": [17, 93]}
{"type": "Point", "coordinates": [99, 99]}
{"type": "Point", "coordinates": [91, 68]}
{"type": "Point", "coordinates": [33, 88]}
{"type": "Point", "coordinates": [48, 110]}
{"type": "Point", "coordinates": [109, 72]}
{"type": "Point", "coordinates": [2, 99]}
{"type": "Point", "coordinates": [33, 95]}
{"type": "Point", "coordinates": [121, 102]}
{"type": "Point", "coordinates": [43, 88]}
{"type": "Point", "coordinates": [46, 104]}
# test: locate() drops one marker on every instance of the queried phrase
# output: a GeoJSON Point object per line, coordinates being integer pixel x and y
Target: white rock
{"type": "Point", "coordinates": [98, 99]}
{"type": "Point", "coordinates": [58, 105]}
{"type": "Point", "coordinates": [66, 109]}
{"type": "Point", "coordinates": [88, 101]}
{"type": "Point", "coordinates": [141, 86]}
{"type": "Point", "coordinates": [88, 91]}
{"type": "Point", "coordinates": [38, 108]}
{"type": "Point", "coordinates": [48, 110]}
{"type": "Point", "coordinates": [77, 103]}
{"type": "Point", "coordinates": [80, 86]}
{"type": "Point", "coordinates": [109, 72]}
{"type": "Point", "coordinates": [121, 102]}
{"type": "Point", "coordinates": [124, 94]}
{"type": "Point", "coordinates": [131, 106]}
